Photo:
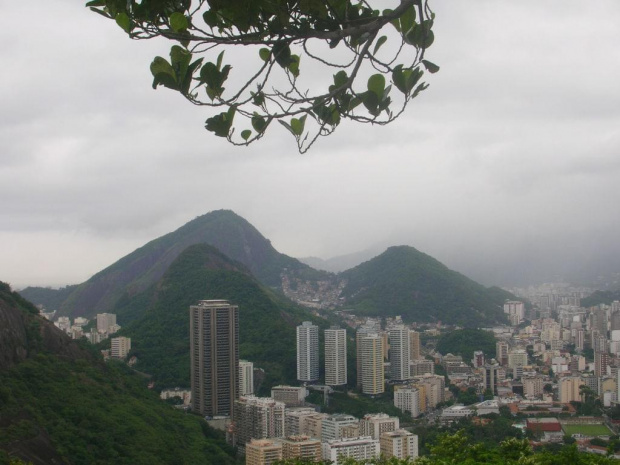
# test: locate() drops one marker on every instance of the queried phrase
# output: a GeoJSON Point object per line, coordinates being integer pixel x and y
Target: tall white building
{"type": "Point", "coordinates": [371, 364]}
{"type": "Point", "coordinates": [246, 378]}
{"type": "Point", "coordinates": [105, 321]}
{"type": "Point", "coordinates": [399, 353]}
{"type": "Point", "coordinates": [307, 352]}
{"type": "Point", "coordinates": [407, 400]}
{"type": "Point", "coordinates": [362, 448]}
{"type": "Point", "coordinates": [335, 356]}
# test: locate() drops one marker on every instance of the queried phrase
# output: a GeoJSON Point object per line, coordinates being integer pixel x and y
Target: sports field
{"type": "Point", "coordinates": [587, 430]}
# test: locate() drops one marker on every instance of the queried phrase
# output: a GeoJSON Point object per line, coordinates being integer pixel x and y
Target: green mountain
{"type": "Point", "coordinates": [159, 318]}
{"type": "Point", "coordinates": [404, 281]}
{"type": "Point", "coordinates": [61, 404]}
{"type": "Point", "coordinates": [139, 270]}
{"type": "Point", "coordinates": [600, 297]}
{"type": "Point", "coordinates": [50, 298]}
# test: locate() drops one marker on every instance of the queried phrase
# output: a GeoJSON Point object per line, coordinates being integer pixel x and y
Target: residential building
{"type": "Point", "coordinates": [490, 378]}
{"type": "Point", "coordinates": [333, 424]}
{"type": "Point", "coordinates": [120, 347]}
{"type": "Point", "coordinates": [501, 352]}
{"type": "Point", "coordinates": [414, 344]}
{"type": "Point", "coordinates": [307, 352]}
{"type": "Point", "coordinates": [262, 452]}
{"type": "Point", "coordinates": [569, 389]}
{"type": "Point", "coordinates": [335, 356]}
{"type": "Point", "coordinates": [532, 386]}
{"type": "Point", "coordinates": [399, 353]}
{"type": "Point", "coordinates": [400, 444]}
{"type": "Point", "coordinates": [105, 321]}
{"type": "Point", "coordinates": [301, 447]}
{"type": "Point", "coordinates": [362, 448]}
{"type": "Point", "coordinates": [420, 367]}
{"type": "Point", "coordinates": [407, 399]}
{"type": "Point", "coordinates": [374, 424]}
{"type": "Point", "coordinates": [291, 396]}
{"type": "Point", "coordinates": [246, 378]}
{"type": "Point", "coordinates": [214, 357]}
{"type": "Point", "coordinates": [370, 327]}
{"type": "Point", "coordinates": [293, 420]}
{"type": "Point", "coordinates": [478, 360]}
{"type": "Point", "coordinates": [371, 373]}
{"type": "Point", "coordinates": [601, 362]}
{"type": "Point", "coordinates": [257, 418]}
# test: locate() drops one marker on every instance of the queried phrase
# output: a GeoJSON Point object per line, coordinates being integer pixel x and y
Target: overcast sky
{"type": "Point", "coordinates": [511, 155]}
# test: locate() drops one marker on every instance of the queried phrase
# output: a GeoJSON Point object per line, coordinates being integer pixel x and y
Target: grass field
{"type": "Point", "coordinates": [588, 430]}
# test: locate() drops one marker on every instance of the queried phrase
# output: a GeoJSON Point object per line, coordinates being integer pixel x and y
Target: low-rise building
{"type": "Point", "coordinates": [400, 444]}
{"type": "Point", "coordinates": [362, 448]}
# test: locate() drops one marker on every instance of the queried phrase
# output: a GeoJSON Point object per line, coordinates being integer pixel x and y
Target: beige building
{"type": "Point", "coordinates": [262, 452]}
{"type": "Point", "coordinates": [400, 444]}
{"type": "Point", "coordinates": [333, 424]}
{"type": "Point", "coordinates": [372, 374]}
{"type": "Point", "coordinates": [434, 387]}
{"type": "Point", "coordinates": [293, 420]}
{"type": "Point", "coordinates": [246, 378]}
{"type": "Point", "coordinates": [374, 424]}
{"type": "Point", "coordinates": [257, 418]}
{"type": "Point", "coordinates": [335, 356]}
{"type": "Point", "coordinates": [569, 389]}
{"type": "Point", "coordinates": [120, 347]}
{"type": "Point", "coordinates": [301, 447]}
{"type": "Point", "coordinates": [532, 387]}
{"type": "Point", "coordinates": [414, 341]}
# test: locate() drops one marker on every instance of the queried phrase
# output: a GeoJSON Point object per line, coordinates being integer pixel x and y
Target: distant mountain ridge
{"type": "Point", "coordinates": [158, 318]}
{"type": "Point", "coordinates": [223, 229]}
{"type": "Point", "coordinates": [404, 281]}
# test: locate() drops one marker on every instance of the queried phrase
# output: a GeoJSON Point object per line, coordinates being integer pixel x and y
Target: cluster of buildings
{"type": "Point", "coordinates": [104, 328]}
{"type": "Point", "coordinates": [281, 426]}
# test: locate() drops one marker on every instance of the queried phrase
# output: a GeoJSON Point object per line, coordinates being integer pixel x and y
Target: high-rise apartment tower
{"type": "Point", "coordinates": [214, 357]}
{"type": "Point", "coordinates": [307, 352]}
{"type": "Point", "coordinates": [335, 356]}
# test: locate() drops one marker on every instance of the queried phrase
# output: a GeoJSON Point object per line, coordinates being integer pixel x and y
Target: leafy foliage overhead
{"type": "Point", "coordinates": [359, 52]}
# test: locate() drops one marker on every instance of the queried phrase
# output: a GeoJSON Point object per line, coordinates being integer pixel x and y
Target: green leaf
{"type": "Point", "coordinates": [407, 20]}
{"type": "Point", "coordinates": [394, 22]}
{"type": "Point", "coordinates": [258, 98]}
{"type": "Point", "coordinates": [293, 67]}
{"type": "Point", "coordinates": [219, 59]}
{"type": "Point", "coordinates": [282, 54]}
{"type": "Point", "coordinates": [124, 22]}
{"type": "Point", "coordinates": [180, 58]}
{"type": "Point", "coordinates": [287, 126]}
{"type": "Point", "coordinates": [210, 75]}
{"type": "Point", "coordinates": [376, 84]}
{"type": "Point", "coordinates": [258, 123]}
{"type": "Point", "coordinates": [371, 102]}
{"type": "Point", "coordinates": [264, 54]}
{"type": "Point", "coordinates": [340, 78]}
{"type": "Point", "coordinates": [178, 22]}
{"type": "Point", "coordinates": [163, 73]}
{"type": "Point", "coordinates": [220, 124]}
{"type": "Point", "coordinates": [210, 18]}
{"type": "Point", "coordinates": [95, 3]}
{"type": "Point", "coordinates": [431, 67]}
{"type": "Point", "coordinates": [379, 43]}
{"type": "Point", "coordinates": [297, 125]}
{"type": "Point", "coordinates": [406, 79]}
{"type": "Point", "coordinates": [245, 135]}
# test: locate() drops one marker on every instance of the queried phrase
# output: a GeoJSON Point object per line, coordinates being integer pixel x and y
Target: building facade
{"type": "Point", "coordinates": [214, 357]}
{"type": "Point", "coordinates": [246, 378]}
{"type": "Point", "coordinates": [335, 356]}
{"type": "Point", "coordinates": [307, 352]}
{"type": "Point", "coordinates": [371, 373]}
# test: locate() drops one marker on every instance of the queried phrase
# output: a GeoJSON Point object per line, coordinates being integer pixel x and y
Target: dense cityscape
{"type": "Point", "coordinates": [554, 367]}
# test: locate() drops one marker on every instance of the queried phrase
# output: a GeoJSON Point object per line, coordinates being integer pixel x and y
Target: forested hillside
{"type": "Point", "coordinates": [61, 404]}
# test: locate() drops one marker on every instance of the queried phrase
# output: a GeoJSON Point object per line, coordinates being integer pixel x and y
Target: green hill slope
{"type": "Point", "coordinates": [404, 281]}
{"type": "Point", "coordinates": [60, 404]}
{"type": "Point", "coordinates": [50, 298]}
{"type": "Point", "coordinates": [136, 272]}
{"type": "Point", "coordinates": [159, 327]}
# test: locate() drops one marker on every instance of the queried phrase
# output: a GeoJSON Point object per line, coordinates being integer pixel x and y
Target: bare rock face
{"type": "Point", "coordinates": [13, 338]}
{"type": "Point", "coordinates": [23, 334]}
